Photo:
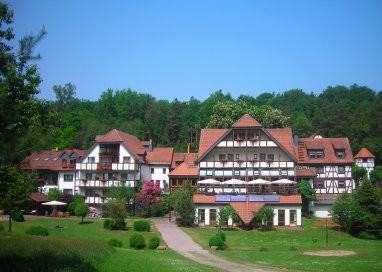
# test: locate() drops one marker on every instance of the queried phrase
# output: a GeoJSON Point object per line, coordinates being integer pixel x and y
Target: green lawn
{"type": "Point", "coordinates": [284, 248]}
{"type": "Point", "coordinates": [83, 247]}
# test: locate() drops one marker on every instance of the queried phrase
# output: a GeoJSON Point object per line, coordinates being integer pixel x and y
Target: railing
{"type": "Point", "coordinates": [247, 143]}
{"type": "Point", "coordinates": [248, 189]}
{"type": "Point", "coordinates": [246, 173]}
{"type": "Point", "coordinates": [246, 164]}
{"type": "Point", "coordinates": [107, 166]}
{"type": "Point", "coordinates": [104, 183]}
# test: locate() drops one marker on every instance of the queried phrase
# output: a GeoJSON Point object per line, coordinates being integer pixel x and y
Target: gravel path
{"type": "Point", "coordinates": [179, 241]}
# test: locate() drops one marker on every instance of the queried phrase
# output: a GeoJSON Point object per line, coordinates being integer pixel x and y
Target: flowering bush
{"type": "Point", "coordinates": [151, 190]}
{"type": "Point", "coordinates": [93, 212]}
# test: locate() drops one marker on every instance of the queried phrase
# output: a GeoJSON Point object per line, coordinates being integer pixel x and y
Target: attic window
{"type": "Point", "coordinates": [55, 159]}
{"type": "Point", "coordinates": [316, 154]}
{"type": "Point", "coordinates": [340, 153]}
{"type": "Point", "coordinates": [37, 159]}
{"type": "Point", "coordinates": [46, 159]}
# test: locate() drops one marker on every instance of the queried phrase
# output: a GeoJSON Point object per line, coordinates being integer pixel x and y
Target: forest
{"type": "Point", "coordinates": [354, 112]}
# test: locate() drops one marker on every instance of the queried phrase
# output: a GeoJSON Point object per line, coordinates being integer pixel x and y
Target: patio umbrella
{"type": "Point", "coordinates": [234, 182]}
{"type": "Point", "coordinates": [208, 181]}
{"type": "Point", "coordinates": [283, 181]}
{"type": "Point", "coordinates": [259, 181]}
{"type": "Point", "coordinates": [54, 204]}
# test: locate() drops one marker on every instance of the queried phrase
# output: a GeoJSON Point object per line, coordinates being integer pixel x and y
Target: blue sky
{"type": "Point", "coordinates": [178, 49]}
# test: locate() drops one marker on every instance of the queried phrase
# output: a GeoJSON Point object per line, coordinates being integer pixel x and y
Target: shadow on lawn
{"type": "Point", "coordinates": [44, 262]}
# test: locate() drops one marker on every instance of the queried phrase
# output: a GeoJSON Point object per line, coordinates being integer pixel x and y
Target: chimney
{"type": "Point", "coordinates": [151, 145]}
{"type": "Point", "coordinates": [55, 149]}
{"type": "Point", "coordinates": [188, 148]}
{"type": "Point", "coordinates": [295, 140]}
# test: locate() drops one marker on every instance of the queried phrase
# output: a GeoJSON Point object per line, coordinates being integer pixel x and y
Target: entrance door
{"type": "Point", "coordinates": [281, 215]}
{"type": "Point", "coordinates": [293, 218]}
{"type": "Point", "coordinates": [201, 217]}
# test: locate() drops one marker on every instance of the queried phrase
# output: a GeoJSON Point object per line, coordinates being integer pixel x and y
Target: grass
{"type": "Point", "coordinates": [283, 248]}
{"type": "Point", "coordinates": [83, 247]}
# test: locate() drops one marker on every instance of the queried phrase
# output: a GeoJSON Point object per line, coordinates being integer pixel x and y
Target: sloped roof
{"type": "Point", "coordinates": [305, 173]}
{"type": "Point", "coordinates": [177, 157]}
{"type": "Point", "coordinates": [246, 209]}
{"type": "Point", "coordinates": [285, 137]}
{"type": "Point", "coordinates": [246, 121]}
{"type": "Point", "coordinates": [187, 168]}
{"type": "Point", "coordinates": [49, 159]}
{"type": "Point", "coordinates": [364, 153]}
{"type": "Point", "coordinates": [160, 155]}
{"type": "Point", "coordinates": [329, 146]}
{"type": "Point", "coordinates": [208, 138]}
{"type": "Point", "coordinates": [132, 143]}
{"type": "Point", "coordinates": [38, 197]}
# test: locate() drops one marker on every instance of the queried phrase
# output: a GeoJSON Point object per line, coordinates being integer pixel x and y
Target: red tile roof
{"type": "Point", "coordinates": [364, 153]}
{"type": "Point", "coordinates": [326, 196]}
{"type": "Point", "coordinates": [187, 168]}
{"type": "Point", "coordinates": [49, 160]}
{"type": "Point", "coordinates": [177, 159]}
{"type": "Point", "coordinates": [302, 173]}
{"type": "Point", "coordinates": [132, 143]}
{"type": "Point", "coordinates": [160, 155]}
{"type": "Point", "coordinates": [208, 138]}
{"type": "Point", "coordinates": [329, 145]}
{"type": "Point", "coordinates": [246, 209]}
{"type": "Point", "coordinates": [38, 197]}
{"type": "Point", "coordinates": [246, 121]}
{"type": "Point", "coordinates": [285, 137]}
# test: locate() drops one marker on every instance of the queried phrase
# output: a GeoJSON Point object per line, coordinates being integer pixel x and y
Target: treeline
{"type": "Point", "coordinates": [354, 112]}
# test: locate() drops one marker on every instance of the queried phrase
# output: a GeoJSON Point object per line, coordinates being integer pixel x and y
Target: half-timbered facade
{"type": "Point", "coordinates": [365, 159]}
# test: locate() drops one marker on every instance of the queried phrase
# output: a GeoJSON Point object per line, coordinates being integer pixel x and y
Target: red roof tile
{"type": "Point", "coordinates": [49, 160]}
{"type": "Point", "coordinates": [132, 143]}
{"type": "Point", "coordinates": [246, 121]}
{"type": "Point", "coordinates": [329, 146]}
{"type": "Point", "coordinates": [187, 168]}
{"type": "Point", "coordinates": [38, 197]}
{"type": "Point", "coordinates": [305, 173]}
{"type": "Point", "coordinates": [160, 155]}
{"type": "Point", "coordinates": [364, 153]}
{"type": "Point", "coordinates": [208, 138]}
{"type": "Point", "coordinates": [246, 209]}
{"type": "Point", "coordinates": [177, 159]}
{"type": "Point", "coordinates": [285, 137]}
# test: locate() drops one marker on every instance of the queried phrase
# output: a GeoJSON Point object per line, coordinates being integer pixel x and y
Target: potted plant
{"type": "Point", "coordinates": [102, 180]}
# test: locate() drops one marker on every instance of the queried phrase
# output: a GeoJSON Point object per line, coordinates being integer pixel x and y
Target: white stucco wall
{"type": "Point", "coordinates": [66, 184]}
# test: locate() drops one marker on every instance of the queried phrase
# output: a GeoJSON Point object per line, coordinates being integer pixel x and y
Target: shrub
{"type": "Point", "coordinates": [115, 243]}
{"type": "Point", "coordinates": [366, 235]}
{"type": "Point", "coordinates": [221, 235]}
{"type": "Point", "coordinates": [262, 249]}
{"type": "Point", "coordinates": [137, 241]}
{"type": "Point", "coordinates": [18, 216]}
{"type": "Point", "coordinates": [154, 242]}
{"type": "Point", "coordinates": [156, 209]}
{"type": "Point", "coordinates": [93, 212]}
{"type": "Point", "coordinates": [142, 225]}
{"type": "Point", "coordinates": [1, 228]}
{"type": "Point", "coordinates": [37, 230]}
{"type": "Point", "coordinates": [216, 241]}
{"type": "Point", "coordinates": [81, 211]}
{"type": "Point", "coordinates": [114, 224]}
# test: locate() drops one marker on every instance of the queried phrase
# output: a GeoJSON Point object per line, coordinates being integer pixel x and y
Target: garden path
{"type": "Point", "coordinates": [182, 243]}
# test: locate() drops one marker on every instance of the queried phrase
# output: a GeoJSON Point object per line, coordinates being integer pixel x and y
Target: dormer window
{"type": "Point", "coordinates": [316, 154]}
{"type": "Point", "coordinates": [340, 153]}
{"type": "Point", "coordinates": [36, 159]}
{"type": "Point", "coordinates": [46, 159]}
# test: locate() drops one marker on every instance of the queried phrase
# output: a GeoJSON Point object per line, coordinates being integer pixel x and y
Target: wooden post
{"type": "Point", "coordinates": [327, 237]}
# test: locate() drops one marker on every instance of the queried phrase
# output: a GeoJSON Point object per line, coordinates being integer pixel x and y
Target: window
{"type": "Point", "coordinates": [163, 170]}
{"type": "Point", "coordinates": [364, 160]}
{"type": "Point", "coordinates": [89, 192]}
{"type": "Point", "coordinates": [238, 156]}
{"type": "Point", "coordinates": [68, 192]}
{"type": "Point", "coordinates": [281, 215]}
{"type": "Point", "coordinates": [316, 154]}
{"type": "Point", "coordinates": [320, 170]}
{"type": "Point", "coordinates": [255, 156]}
{"type": "Point", "coordinates": [130, 176]}
{"type": "Point", "coordinates": [127, 159]}
{"type": "Point", "coordinates": [341, 169]}
{"type": "Point", "coordinates": [293, 217]}
{"type": "Point", "coordinates": [209, 172]}
{"type": "Point", "coordinates": [230, 157]}
{"type": "Point", "coordinates": [341, 184]}
{"type": "Point", "coordinates": [262, 156]}
{"type": "Point", "coordinates": [340, 154]}
{"type": "Point", "coordinates": [212, 217]}
{"type": "Point", "coordinates": [91, 159]}
{"type": "Point", "coordinates": [152, 170]}
{"type": "Point", "coordinates": [255, 173]}
{"type": "Point", "coordinates": [124, 176]}
{"type": "Point", "coordinates": [68, 177]}
{"type": "Point", "coordinates": [237, 173]}
{"type": "Point", "coordinates": [284, 172]}
{"type": "Point", "coordinates": [320, 184]}
{"type": "Point", "coordinates": [201, 216]}
{"type": "Point", "coordinates": [271, 157]}
{"type": "Point", "coordinates": [37, 158]}
{"type": "Point", "coordinates": [222, 157]}
{"type": "Point", "coordinates": [89, 176]}
{"type": "Point", "coordinates": [46, 159]}
{"type": "Point", "coordinates": [64, 163]}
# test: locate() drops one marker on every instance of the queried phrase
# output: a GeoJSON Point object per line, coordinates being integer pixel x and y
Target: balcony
{"type": "Point", "coordinates": [258, 189]}
{"type": "Point", "coordinates": [107, 166]}
{"type": "Point", "coordinates": [253, 142]}
{"type": "Point", "coordinates": [252, 163]}
{"type": "Point", "coordinates": [103, 183]}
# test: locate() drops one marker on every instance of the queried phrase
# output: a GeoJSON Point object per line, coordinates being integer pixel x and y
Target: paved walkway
{"type": "Point", "coordinates": [179, 241]}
